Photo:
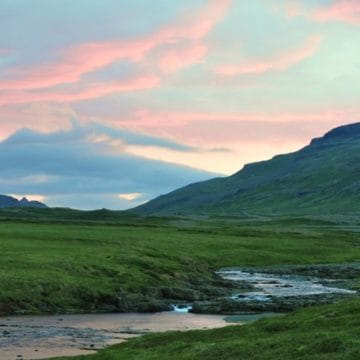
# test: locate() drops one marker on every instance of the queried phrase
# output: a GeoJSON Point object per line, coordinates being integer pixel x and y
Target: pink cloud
{"type": "Point", "coordinates": [88, 92]}
{"type": "Point", "coordinates": [201, 23]}
{"type": "Point", "coordinates": [281, 63]}
{"type": "Point", "coordinates": [250, 136]}
{"type": "Point", "coordinates": [340, 10]}
{"type": "Point", "coordinates": [41, 116]}
{"type": "Point", "coordinates": [89, 57]}
{"type": "Point", "coordinates": [76, 62]}
{"type": "Point", "coordinates": [175, 59]}
{"type": "Point", "coordinates": [6, 129]}
{"type": "Point", "coordinates": [148, 120]}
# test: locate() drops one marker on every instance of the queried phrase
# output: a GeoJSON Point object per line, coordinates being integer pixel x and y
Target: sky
{"type": "Point", "coordinates": [107, 104]}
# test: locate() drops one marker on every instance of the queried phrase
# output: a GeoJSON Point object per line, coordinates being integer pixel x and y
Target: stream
{"type": "Point", "coordinates": [44, 336]}
{"type": "Point", "coordinates": [267, 286]}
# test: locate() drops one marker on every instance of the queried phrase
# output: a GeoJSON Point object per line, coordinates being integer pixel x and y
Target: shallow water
{"type": "Point", "coordinates": [268, 285]}
{"type": "Point", "coordinates": [38, 337]}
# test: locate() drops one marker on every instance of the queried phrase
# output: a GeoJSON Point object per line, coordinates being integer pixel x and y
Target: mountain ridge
{"type": "Point", "coordinates": [323, 176]}
{"type": "Point", "coordinates": [7, 201]}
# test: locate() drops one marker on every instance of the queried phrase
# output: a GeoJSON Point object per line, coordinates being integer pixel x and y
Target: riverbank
{"type": "Point", "coordinates": [274, 290]}
{"type": "Point", "coordinates": [144, 265]}
{"type": "Point", "coordinates": [328, 332]}
{"type": "Point", "coordinates": [38, 337]}
{"type": "Point", "coordinates": [284, 288]}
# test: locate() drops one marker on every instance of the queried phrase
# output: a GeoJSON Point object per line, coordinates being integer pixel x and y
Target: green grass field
{"type": "Point", "coordinates": [127, 263]}
{"type": "Point", "coordinates": [68, 261]}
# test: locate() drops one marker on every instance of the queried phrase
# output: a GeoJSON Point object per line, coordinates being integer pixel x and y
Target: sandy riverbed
{"type": "Point", "coordinates": [38, 337]}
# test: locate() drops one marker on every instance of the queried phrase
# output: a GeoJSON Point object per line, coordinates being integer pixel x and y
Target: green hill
{"type": "Point", "coordinates": [321, 178]}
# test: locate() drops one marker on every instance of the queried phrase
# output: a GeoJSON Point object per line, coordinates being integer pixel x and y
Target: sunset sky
{"type": "Point", "coordinates": [110, 103]}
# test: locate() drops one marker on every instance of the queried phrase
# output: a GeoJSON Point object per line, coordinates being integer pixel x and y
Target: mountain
{"type": "Point", "coordinates": [9, 201]}
{"type": "Point", "coordinates": [323, 177]}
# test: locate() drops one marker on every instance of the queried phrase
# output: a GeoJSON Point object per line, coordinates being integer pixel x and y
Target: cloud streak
{"type": "Point", "coordinates": [159, 119]}
{"type": "Point", "coordinates": [341, 10]}
{"type": "Point", "coordinates": [89, 57]}
{"type": "Point", "coordinates": [280, 63]}
{"type": "Point", "coordinates": [276, 83]}
{"type": "Point", "coordinates": [346, 11]}
{"type": "Point", "coordinates": [86, 92]}
{"type": "Point", "coordinates": [70, 165]}
{"type": "Point", "coordinates": [177, 58]}
{"type": "Point", "coordinates": [93, 133]}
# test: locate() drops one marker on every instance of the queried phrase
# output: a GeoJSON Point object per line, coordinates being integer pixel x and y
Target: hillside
{"type": "Point", "coordinates": [11, 202]}
{"type": "Point", "coordinates": [323, 177]}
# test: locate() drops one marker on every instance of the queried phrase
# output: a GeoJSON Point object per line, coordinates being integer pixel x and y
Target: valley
{"type": "Point", "coordinates": [72, 262]}
{"type": "Point", "coordinates": [179, 180]}
{"type": "Point", "coordinates": [279, 237]}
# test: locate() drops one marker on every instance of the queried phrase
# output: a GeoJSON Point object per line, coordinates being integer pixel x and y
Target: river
{"type": "Point", "coordinates": [44, 336]}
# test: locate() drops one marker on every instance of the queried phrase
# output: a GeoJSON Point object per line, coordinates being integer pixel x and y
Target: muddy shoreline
{"type": "Point", "coordinates": [244, 293]}
{"type": "Point", "coordinates": [37, 337]}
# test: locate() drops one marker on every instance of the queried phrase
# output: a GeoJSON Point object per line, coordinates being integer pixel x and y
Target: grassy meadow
{"type": "Point", "coordinates": [58, 260]}
{"type": "Point", "coordinates": [63, 261]}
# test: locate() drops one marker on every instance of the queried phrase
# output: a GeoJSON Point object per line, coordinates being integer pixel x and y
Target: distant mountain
{"type": "Point", "coordinates": [323, 177]}
{"type": "Point", "coordinates": [9, 201]}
